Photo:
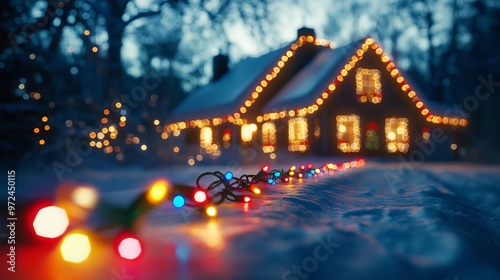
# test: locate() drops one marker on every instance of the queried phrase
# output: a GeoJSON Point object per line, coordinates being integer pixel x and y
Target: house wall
{"type": "Point", "coordinates": [343, 101]}
{"type": "Point", "coordinates": [395, 103]}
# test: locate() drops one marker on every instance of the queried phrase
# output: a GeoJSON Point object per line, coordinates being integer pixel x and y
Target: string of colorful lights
{"type": "Point", "coordinates": [73, 204]}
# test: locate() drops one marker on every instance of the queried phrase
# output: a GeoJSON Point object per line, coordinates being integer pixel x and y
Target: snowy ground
{"type": "Point", "coordinates": [383, 221]}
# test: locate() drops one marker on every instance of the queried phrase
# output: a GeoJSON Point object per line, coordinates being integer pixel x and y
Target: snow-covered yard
{"type": "Point", "coordinates": [382, 221]}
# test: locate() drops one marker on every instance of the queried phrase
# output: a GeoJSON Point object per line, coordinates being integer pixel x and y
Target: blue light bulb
{"type": "Point", "coordinates": [228, 175]}
{"type": "Point", "coordinates": [178, 201]}
{"type": "Point", "coordinates": [277, 174]}
{"type": "Point", "coordinates": [270, 180]}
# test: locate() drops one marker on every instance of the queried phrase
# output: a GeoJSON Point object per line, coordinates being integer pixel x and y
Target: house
{"type": "Point", "coordinates": [313, 97]}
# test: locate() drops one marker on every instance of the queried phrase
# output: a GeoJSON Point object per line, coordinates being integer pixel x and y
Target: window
{"type": "Point", "coordinates": [396, 135]}
{"type": "Point", "coordinates": [268, 137]}
{"type": "Point", "coordinates": [297, 135]}
{"type": "Point", "coordinates": [247, 131]}
{"type": "Point", "coordinates": [348, 133]}
{"type": "Point", "coordinates": [368, 86]}
{"type": "Point", "coordinates": [206, 137]}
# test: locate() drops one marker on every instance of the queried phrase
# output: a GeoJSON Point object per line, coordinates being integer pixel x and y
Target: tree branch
{"type": "Point", "coordinates": [141, 15]}
{"type": "Point", "coordinates": [147, 13]}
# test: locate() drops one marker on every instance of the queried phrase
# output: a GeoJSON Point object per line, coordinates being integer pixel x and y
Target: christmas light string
{"type": "Point", "coordinates": [211, 189]}
{"type": "Point", "coordinates": [231, 184]}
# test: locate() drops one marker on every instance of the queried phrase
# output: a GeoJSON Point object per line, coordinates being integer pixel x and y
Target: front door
{"type": "Point", "coordinates": [372, 140]}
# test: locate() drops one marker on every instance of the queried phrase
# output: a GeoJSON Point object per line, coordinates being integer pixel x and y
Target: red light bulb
{"type": "Point", "coordinates": [200, 196]}
{"type": "Point", "coordinates": [129, 248]}
{"type": "Point", "coordinates": [247, 199]}
{"type": "Point", "coordinates": [265, 168]}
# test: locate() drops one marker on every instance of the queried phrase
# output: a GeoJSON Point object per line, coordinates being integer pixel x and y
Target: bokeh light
{"type": "Point", "coordinates": [129, 248]}
{"type": "Point", "coordinates": [75, 248]}
{"type": "Point", "coordinates": [85, 196]}
{"type": "Point", "coordinates": [50, 222]}
{"type": "Point", "coordinates": [157, 192]}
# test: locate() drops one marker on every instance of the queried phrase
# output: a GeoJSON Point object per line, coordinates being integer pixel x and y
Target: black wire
{"type": "Point", "coordinates": [221, 189]}
{"type": "Point", "coordinates": [224, 193]}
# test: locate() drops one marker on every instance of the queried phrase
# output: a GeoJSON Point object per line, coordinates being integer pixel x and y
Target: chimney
{"type": "Point", "coordinates": [220, 66]}
{"type": "Point", "coordinates": [305, 31]}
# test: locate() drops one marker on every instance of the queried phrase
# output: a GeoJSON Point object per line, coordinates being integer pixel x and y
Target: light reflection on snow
{"type": "Point", "coordinates": [182, 251]}
{"type": "Point", "coordinates": [209, 233]}
{"type": "Point", "coordinates": [440, 218]}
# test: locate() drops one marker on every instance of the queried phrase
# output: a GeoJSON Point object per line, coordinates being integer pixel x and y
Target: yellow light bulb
{"type": "Point", "coordinates": [256, 190]}
{"type": "Point", "coordinates": [211, 211]}
{"type": "Point", "coordinates": [157, 192]}
{"type": "Point", "coordinates": [75, 248]}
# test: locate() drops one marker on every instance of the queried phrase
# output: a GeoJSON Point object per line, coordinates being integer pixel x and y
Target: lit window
{"type": "Point", "coordinates": [348, 133]}
{"type": "Point", "coordinates": [368, 86]}
{"type": "Point", "coordinates": [297, 135]}
{"type": "Point", "coordinates": [396, 135]}
{"type": "Point", "coordinates": [268, 137]}
{"type": "Point", "coordinates": [247, 131]}
{"type": "Point", "coordinates": [206, 137]}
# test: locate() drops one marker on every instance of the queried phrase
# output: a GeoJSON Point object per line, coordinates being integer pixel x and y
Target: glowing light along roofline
{"type": "Point", "coordinates": [236, 118]}
{"type": "Point", "coordinates": [393, 71]}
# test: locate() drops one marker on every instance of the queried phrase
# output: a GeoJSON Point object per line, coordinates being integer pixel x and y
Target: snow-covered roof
{"type": "Point", "coordinates": [313, 79]}
{"type": "Point", "coordinates": [225, 95]}
{"type": "Point", "coordinates": [302, 91]}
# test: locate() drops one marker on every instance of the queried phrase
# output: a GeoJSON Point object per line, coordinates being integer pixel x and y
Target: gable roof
{"type": "Point", "coordinates": [185, 116]}
{"type": "Point", "coordinates": [314, 78]}
{"type": "Point", "coordinates": [221, 97]}
{"type": "Point", "coordinates": [314, 84]}
{"type": "Point", "coordinates": [306, 92]}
